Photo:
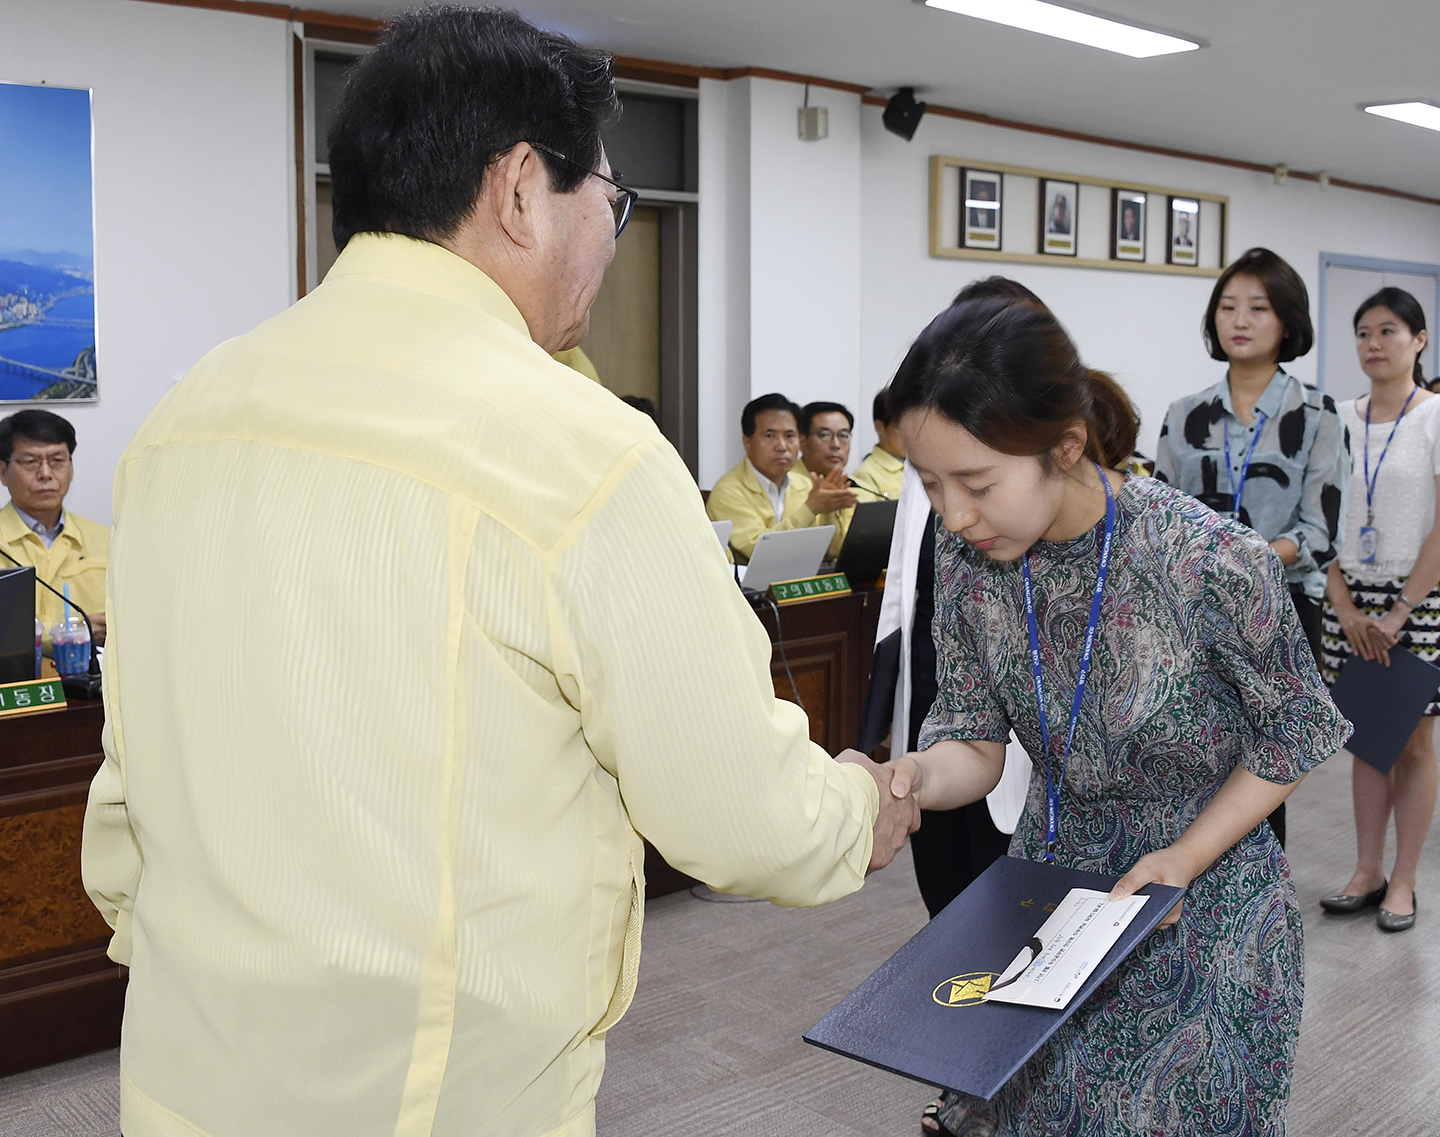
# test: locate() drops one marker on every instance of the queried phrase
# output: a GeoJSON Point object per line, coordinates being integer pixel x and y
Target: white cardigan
{"type": "Point", "coordinates": [897, 610]}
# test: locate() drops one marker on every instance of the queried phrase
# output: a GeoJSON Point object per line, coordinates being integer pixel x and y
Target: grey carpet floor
{"type": "Point", "coordinates": [712, 1042]}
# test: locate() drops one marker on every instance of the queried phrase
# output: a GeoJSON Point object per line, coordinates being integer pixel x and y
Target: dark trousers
{"type": "Point", "coordinates": [951, 847]}
{"type": "Point", "coordinates": [1309, 612]}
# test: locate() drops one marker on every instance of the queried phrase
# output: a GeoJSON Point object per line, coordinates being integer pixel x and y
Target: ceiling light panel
{"type": "Point", "coordinates": [1068, 24]}
{"type": "Point", "coordinates": [1416, 114]}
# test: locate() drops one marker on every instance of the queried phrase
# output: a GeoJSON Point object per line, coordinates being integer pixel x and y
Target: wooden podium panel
{"type": "Point", "coordinates": [60, 996]}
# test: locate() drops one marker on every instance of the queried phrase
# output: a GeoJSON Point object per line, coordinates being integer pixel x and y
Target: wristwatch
{"type": "Point", "coordinates": [1401, 598]}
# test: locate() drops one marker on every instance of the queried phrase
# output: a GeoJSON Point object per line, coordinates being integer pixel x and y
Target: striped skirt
{"type": "Point", "coordinates": [1421, 633]}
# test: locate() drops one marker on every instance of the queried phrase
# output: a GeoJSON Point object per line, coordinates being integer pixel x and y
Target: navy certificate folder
{"type": "Point", "coordinates": [1384, 703]}
{"type": "Point", "coordinates": [921, 1014]}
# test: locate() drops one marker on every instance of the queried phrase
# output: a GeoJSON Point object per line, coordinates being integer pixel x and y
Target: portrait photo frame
{"type": "Point", "coordinates": [1182, 231]}
{"type": "Point", "coordinates": [1059, 218]}
{"type": "Point", "coordinates": [1127, 224]}
{"type": "Point", "coordinates": [979, 218]}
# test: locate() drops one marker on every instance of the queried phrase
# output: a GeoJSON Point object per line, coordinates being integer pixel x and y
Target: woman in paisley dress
{"type": "Point", "coordinates": [1202, 711]}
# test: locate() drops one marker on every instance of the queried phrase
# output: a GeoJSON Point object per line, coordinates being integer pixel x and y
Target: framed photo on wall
{"type": "Point", "coordinates": [1127, 225]}
{"type": "Point", "coordinates": [1182, 232]}
{"type": "Point", "coordinates": [1059, 217]}
{"type": "Point", "coordinates": [47, 246]}
{"type": "Point", "coordinates": [980, 206]}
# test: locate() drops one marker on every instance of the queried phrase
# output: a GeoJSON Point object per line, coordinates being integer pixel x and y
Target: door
{"type": "Point", "coordinates": [1345, 283]}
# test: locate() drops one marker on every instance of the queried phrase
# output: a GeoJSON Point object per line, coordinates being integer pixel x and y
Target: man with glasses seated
{"type": "Point", "coordinates": [825, 430]}
{"type": "Point", "coordinates": [35, 529]}
{"type": "Point", "coordinates": [768, 490]}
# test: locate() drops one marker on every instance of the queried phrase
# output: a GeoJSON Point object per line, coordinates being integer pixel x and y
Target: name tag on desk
{"type": "Point", "coordinates": [31, 695]}
{"type": "Point", "coordinates": [810, 588]}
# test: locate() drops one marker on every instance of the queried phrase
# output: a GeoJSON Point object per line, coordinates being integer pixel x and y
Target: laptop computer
{"type": "Point", "coordinates": [866, 551]}
{"type": "Point", "coordinates": [722, 532]}
{"type": "Point", "coordinates": [785, 554]}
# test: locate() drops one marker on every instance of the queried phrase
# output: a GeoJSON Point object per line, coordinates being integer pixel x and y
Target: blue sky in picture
{"type": "Point", "coordinates": [45, 175]}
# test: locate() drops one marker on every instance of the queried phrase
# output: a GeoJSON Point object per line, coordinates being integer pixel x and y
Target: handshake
{"type": "Point", "coordinates": [898, 816]}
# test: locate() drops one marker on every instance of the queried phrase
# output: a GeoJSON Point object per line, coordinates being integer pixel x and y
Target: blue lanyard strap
{"type": "Point", "coordinates": [1237, 492]}
{"type": "Point", "coordinates": [1369, 481]}
{"type": "Point", "coordinates": [1053, 787]}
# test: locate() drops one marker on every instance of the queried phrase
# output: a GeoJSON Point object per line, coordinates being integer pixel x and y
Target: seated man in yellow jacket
{"type": "Point", "coordinates": [883, 469]}
{"type": "Point", "coordinates": [825, 431]}
{"type": "Point", "coordinates": [767, 491]}
{"type": "Point", "coordinates": [35, 528]}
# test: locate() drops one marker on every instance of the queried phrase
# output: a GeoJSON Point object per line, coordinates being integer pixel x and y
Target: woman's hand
{"type": "Point", "coordinates": [1387, 629]}
{"type": "Point", "coordinates": [1164, 866]}
{"type": "Point", "coordinates": [1361, 631]}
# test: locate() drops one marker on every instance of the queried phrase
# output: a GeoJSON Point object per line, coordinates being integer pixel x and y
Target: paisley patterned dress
{"type": "Point", "coordinates": [1200, 663]}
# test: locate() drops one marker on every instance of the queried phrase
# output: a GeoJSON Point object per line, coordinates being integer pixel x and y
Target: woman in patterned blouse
{"type": "Point", "coordinates": [1202, 711]}
{"type": "Point", "coordinates": [1260, 445]}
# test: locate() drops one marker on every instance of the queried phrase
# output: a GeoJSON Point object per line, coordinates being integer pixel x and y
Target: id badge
{"type": "Point", "coordinates": [1369, 544]}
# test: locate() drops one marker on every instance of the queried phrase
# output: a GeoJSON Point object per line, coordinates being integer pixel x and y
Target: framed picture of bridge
{"type": "Point", "coordinates": [47, 245]}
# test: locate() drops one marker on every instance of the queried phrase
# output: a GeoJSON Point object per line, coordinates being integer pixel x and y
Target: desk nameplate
{"type": "Point", "coordinates": [810, 588]}
{"type": "Point", "coordinates": [31, 695]}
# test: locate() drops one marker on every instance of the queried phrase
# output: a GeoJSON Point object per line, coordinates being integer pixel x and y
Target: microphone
{"type": "Point", "coordinates": [76, 686]}
{"type": "Point", "coordinates": [869, 489]}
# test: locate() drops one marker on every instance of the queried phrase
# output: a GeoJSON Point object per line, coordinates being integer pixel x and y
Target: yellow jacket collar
{"type": "Point", "coordinates": [426, 267]}
{"type": "Point", "coordinates": [13, 530]}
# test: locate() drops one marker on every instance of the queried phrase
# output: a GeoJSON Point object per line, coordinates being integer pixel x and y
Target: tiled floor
{"type": "Point", "coordinates": [712, 1043]}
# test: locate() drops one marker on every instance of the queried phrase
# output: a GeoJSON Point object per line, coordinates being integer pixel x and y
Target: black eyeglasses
{"type": "Point", "coordinates": [624, 203]}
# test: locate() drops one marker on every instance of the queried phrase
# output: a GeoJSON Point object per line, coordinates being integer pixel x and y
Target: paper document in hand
{"type": "Point", "coordinates": [1054, 965]}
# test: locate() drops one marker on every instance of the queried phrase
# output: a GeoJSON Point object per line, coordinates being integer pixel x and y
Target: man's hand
{"type": "Point", "coordinates": [1164, 866]}
{"type": "Point", "coordinates": [97, 627]}
{"type": "Point", "coordinates": [831, 492]}
{"type": "Point", "coordinates": [898, 816]}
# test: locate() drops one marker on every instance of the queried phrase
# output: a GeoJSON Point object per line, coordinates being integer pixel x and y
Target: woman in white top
{"type": "Point", "coordinates": [1382, 592]}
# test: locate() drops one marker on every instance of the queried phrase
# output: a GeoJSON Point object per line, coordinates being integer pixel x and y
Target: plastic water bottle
{"type": "Point", "coordinates": [71, 642]}
{"type": "Point", "coordinates": [39, 645]}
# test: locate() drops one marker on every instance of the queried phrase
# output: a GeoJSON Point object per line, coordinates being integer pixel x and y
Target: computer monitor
{"type": "Point", "coordinates": [866, 551]}
{"type": "Point", "coordinates": [17, 624]}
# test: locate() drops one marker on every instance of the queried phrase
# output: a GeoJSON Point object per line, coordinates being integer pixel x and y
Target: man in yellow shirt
{"type": "Point", "coordinates": [394, 683]}
{"type": "Point", "coordinates": [825, 430]}
{"type": "Point", "coordinates": [883, 470]}
{"type": "Point", "coordinates": [37, 467]}
{"type": "Point", "coordinates": [767, 491]}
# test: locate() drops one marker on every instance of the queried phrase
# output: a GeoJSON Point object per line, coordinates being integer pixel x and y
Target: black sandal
{"type": "Point", "coordinates": [931, 1113]}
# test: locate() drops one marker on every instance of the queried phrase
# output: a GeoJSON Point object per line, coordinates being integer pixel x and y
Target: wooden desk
{"type": "Point", "coordinates": [828, 644]}
{"type": "Point", "coordinates": [60, 996]}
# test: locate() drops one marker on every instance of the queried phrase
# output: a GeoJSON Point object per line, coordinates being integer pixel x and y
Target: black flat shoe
{"type": "Point", "coordinates": [1387, 921]}
{"type": "Point", "coordinates": [1345, 904]}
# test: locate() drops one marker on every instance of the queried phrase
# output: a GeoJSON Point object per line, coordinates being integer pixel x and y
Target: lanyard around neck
{"type": "Point", "coordinates": [1369, 481]}
{"type": "Point", "coordinates": [1053, 786]}
{"type": "Point", "coordinates": [1238, 491]}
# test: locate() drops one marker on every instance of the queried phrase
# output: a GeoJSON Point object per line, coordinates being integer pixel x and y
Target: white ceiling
{"type": "Point", "coordinates": [1279, 80]}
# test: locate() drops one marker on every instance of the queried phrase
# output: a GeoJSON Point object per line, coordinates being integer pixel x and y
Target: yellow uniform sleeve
{"type": "Point", "coordinates": [841, 519]}
{"type": "Point", "coordinates": [671, 672]}
{"type": "Point", "coordinates": [110, 861]}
